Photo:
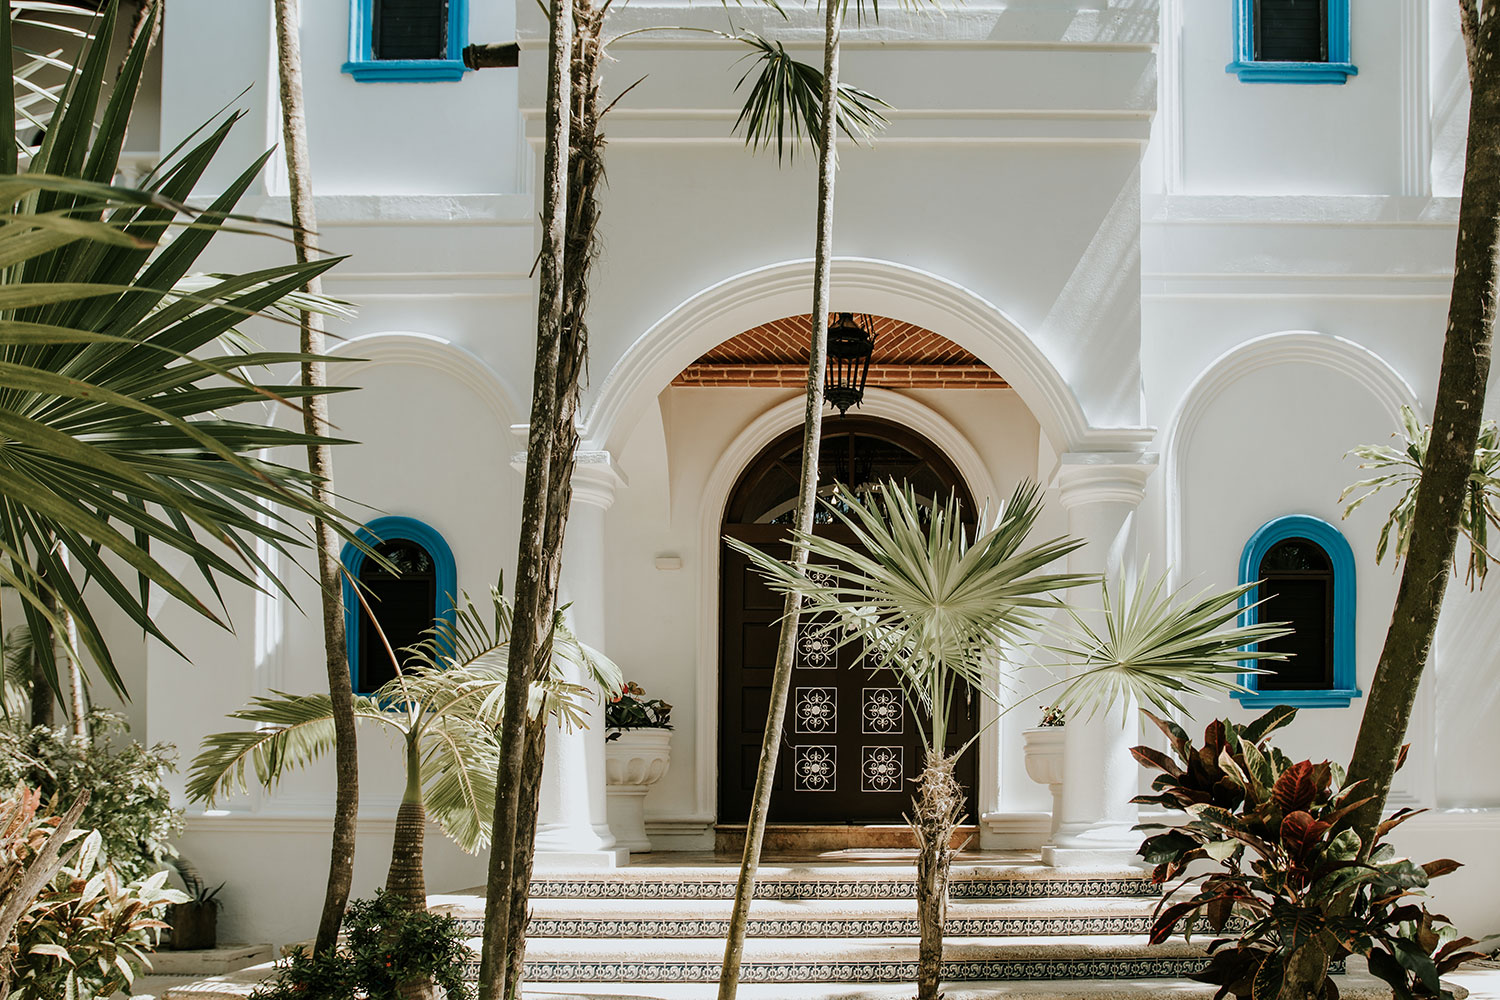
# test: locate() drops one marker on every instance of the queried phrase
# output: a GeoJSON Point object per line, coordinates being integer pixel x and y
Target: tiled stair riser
{"type": "Point", "coordinates": [959, 888]}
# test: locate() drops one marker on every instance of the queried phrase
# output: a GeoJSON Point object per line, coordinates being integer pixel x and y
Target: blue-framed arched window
{"type": "Point", "coordinates": [405, 604]}
{"type": "Point", "coordinates": [1291, 41]}
{"type": "Point", "coordinates": [1306, 573]}
{"type": "Point", "coordinates": [407, 40]}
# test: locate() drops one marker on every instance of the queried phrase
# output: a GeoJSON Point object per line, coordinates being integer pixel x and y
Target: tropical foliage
{"type": "Point", "coordinates": [947, 609]}
{"type": "Point", "coordinates": [445, 705]}
{"type": "Point", "coordinates": [114, 388]}
{"type": "Point", "coordinates": [1400, 469]}
{"type": "Point", "coordinates": [385, 945]}
{"type": "Point", "coordinates": [129, 805]}
{"type": "Point", "coordinates": [631, 709]}
{"type": "Point", "coordinates": [1288, 865]}
{"type": "Point", "coordinates": [88, 932]}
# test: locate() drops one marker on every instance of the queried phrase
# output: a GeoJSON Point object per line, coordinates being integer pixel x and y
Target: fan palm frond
{"type": "Point", "coordinates": [919, 596]}
{"type": "Point", "coordinates": [1151, 646]}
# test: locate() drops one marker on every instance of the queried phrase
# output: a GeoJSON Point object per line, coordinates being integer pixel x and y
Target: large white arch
{"type": "Point", "coordinates": [1305, 346]}
{"type": "Point", "coordinates": [404, 347]}
{"type": "Point", "coordinates": [778, 290]}
{"type": "Point", "coordinates": [747, 444]}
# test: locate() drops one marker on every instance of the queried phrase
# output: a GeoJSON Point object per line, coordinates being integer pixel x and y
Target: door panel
{"type": "Point", "coordinates": [850, 746]}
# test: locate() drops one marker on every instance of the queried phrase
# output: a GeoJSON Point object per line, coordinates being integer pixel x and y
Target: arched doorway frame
{"type": "Point", "coordinates": [749, 443]}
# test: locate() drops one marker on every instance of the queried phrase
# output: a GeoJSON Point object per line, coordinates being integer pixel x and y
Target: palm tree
{"type": "Point", "coordinates": [320, 463]}
{"type": "Point", "coordinates": [445, 704]}
{"type": "Point", "coordinates": [119, 446]}
{"type": "Point", "coordinates": [942, 611]}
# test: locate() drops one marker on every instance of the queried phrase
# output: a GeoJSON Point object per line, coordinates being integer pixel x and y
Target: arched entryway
{"type": "Point", "coordinates": [849, 748]}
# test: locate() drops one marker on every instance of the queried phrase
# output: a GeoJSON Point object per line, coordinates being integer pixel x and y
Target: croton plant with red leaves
{"type": "Point", "coordinates": [1274, 855]}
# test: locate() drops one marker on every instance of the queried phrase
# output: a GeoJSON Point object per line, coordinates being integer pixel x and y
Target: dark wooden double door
{"type": "Point", "coordinates": [851, 745]}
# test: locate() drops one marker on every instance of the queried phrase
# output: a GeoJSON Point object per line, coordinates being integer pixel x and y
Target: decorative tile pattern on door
{"type": "Point", "coordinates": [882, 769]}
{"type": "Point", "coordinates": [817, 710]}
{"type": "Point", "coordinates": [815, 645]}
{"type": "Point", "coordinates": [882, 712]}
{"type": "Point", "coordinates": [815, 768]}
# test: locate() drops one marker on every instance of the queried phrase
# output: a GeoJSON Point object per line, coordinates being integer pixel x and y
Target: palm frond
{"type": "Point", "coordinates": [1400, 469]}
{"type": "Point", "coordinates": [459, 762]}
{"type": "Point", "coordinates": [919, 596]}
{"type": "Point", "coordinates": [292, 731]}
{"type": "Point", "coordinates": [1150, 646]}
{"type": "Point", "coordinates": [121, 446]}
{"type": "Point", "coordinates": [784, 104]}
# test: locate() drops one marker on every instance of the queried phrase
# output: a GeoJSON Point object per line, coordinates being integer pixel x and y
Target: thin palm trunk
{"type": "Point", "coordinates": [320, 464]}
{"type": "Point", "coordinates": [1456, 417]}
{"type": "Point", "coordinates": [531, 626]}
{"type": "Point", "coordinates": [807, 498]}
{"type": "Point", "coordinates": [938, 810]}
{"type": "Point", "coordinates": [78, 702]}
{"type": "Point", "coordinates": [585, 176]}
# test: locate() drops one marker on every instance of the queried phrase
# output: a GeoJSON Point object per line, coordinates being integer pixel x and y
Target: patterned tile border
{"type": "Point", "coordinates": [959, 888]}
{"type": "Point", "coordinates": [866, 972]}
{"type": "Point", "coordinates": [596, 927]}
{"type": "Point", "coordinates": [862, 972]}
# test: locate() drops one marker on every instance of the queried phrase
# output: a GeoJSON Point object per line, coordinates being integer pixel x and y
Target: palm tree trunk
{"type": "Point", "coordinates": [320, 464]}
{"type": "Point", "coordinates": [78, 703]}
{"type": "Point", "coordinates": [938, 807]}
{"type": "Point", "coordinates": [1456, 417]}
{"type": "Point", "coordinates": [532, 624]}
{"type": "Point", "coordinates": [531, 791]}
{"type": "Point", "coordinates": [405, 879]}
{"type": "Point", "coordinates": [585, 176]}
{"type": "Point", "coordinates": [807, 498]}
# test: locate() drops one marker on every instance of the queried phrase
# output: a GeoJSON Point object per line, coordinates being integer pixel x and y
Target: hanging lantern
{"type": "Point", "coordinates": [849, 348]}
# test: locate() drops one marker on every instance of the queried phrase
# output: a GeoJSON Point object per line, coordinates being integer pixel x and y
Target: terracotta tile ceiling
{"type": "Point", "coordinates": [906, 356]}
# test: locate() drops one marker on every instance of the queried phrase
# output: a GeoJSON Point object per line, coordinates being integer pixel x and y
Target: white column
{"type": "Point", "coordinates": [572, 828]}
{"type": "Point", "coordinates": [1101, 492]}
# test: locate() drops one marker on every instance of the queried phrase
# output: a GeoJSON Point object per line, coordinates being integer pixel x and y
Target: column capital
{"type": "Point", "coordinates": [1103, 477]}
{"type": "Point", "coordinates": [595, 476]}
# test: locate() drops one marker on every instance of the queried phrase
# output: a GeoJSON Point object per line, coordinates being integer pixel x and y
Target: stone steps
{"type": "Point", "coordinates": [817, 918]}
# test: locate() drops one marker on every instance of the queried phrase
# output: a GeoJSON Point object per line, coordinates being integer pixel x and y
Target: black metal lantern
{"type": "Point", "coordinates": [849, 348]}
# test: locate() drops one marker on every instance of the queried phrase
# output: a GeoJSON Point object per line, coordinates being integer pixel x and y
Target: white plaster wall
{"type": "Point", "coordinates": [1292, 139]}
{"type": "Point", "coordinates": [437, 453]}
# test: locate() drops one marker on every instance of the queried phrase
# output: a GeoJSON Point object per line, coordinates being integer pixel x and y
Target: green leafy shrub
{"type": "Point", "coordinates": [631, 709]}
{"type": "Point", "coordinates": [383, 946]}
{"type": "Point", "coordinates": [89, 932]}
{"type": "Point", "coordinates": [129, 805]}
{"type": "Point", "coordinates": [1287, 866]}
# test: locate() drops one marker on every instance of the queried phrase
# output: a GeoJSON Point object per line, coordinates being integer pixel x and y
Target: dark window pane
{"type": "Point", "coordinates": [1296, 554]}
{"type": "Point", "coordinates": [1297, 588]}
{"type": "Point", "coordinates": [1291, 31]}
{"type": "Point", "coordinates": [404, 605]}
{"type": "Point", "coordinates": [410, 29]}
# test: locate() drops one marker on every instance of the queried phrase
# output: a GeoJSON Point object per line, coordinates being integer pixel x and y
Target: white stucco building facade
{"type": "Point", "coordinates": [1199, 291]}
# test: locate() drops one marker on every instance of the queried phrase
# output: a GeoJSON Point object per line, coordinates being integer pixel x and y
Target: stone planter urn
{"type": "Point", "coordinates": [634, 760]}
{"type": "Point", "coordinates": [1044, 765]}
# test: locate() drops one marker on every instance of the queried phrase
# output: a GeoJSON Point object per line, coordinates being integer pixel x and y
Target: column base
{"type": "Point", "coordinates": [1092, 857]}
{"type": "Point", "coordinates": [616, 857]}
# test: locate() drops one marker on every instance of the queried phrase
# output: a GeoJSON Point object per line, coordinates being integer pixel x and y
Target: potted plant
{"type": "Point", "coordinates": [637, 751]}
{"type": "Point", "coordinates": [194, 923]}
{"type": "Point", "coordinates": [1044, 757]}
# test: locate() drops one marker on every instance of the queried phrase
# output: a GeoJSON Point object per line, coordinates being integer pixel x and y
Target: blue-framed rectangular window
{"type": "Point", "coordinates": [1291, 41]}
{"type": "Point", "coordinates": [407, 40]}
